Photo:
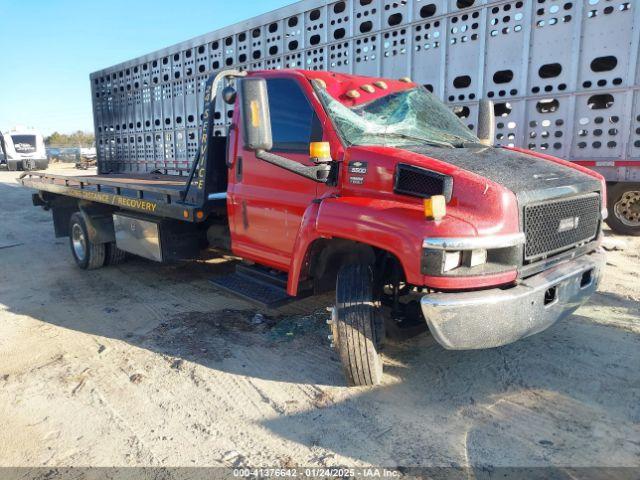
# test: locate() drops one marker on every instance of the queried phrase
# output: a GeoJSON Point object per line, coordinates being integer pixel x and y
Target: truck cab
{"type": "Point", "coordinates": [371, 188]}
{"type": "Point", "coordinates": [24, 149]}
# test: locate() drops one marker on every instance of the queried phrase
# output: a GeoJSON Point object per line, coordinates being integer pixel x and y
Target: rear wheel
{"type": "Point", "coordinates": [624, 208]}
{"type": "Point", "coordinates": [357, 325]}
{"type": "Point", "coordinates": [113, 255]}
{"type": "Point", "coordinates": [87, 254]}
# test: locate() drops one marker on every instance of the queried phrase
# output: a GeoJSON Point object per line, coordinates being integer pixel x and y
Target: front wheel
{"type": "Point", "coordinates": [356, 325]}
{"type": "Point", "coordinates": [87, 254]}
{"type": "Point", "coordinates": [624, 208]}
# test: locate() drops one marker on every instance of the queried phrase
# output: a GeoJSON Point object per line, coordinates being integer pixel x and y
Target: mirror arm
{"type": "Point", "coordinates": [318, 173]}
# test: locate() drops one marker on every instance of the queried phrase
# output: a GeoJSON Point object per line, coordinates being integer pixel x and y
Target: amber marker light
{"type": "Point", "coordinates": [435, 208]}
{"type": "Point", "coordinates": [185, 213]}
{"type": "Point", "coordinates": [320, 83]}
{"type": "Point", "coordinates": [320, 150]}
{"type": "Point", "coordinates": [255, 114]}
{"type": "Point", "coordinates": [353, 94]}
{"type": "Point", "coordinates": [199, 215]}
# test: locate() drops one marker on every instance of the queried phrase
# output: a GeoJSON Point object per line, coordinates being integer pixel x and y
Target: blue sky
{"type": "Point", "coordinates": [48, 48]}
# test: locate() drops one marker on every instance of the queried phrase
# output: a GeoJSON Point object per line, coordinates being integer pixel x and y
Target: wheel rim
{"type": "Point", "coordinates": [627, 208]}
{"type": "Point", "coordinates": [79, 242]}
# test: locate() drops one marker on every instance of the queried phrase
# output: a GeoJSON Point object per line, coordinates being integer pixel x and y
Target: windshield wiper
{"type": "Point", "coordinates": [466, 144]}
{"type": "Point", "coordinates": [435, 143]}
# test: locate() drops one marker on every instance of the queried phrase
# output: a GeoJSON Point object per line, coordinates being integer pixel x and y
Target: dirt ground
{"type": "Point", "coordinates": [149, 365]}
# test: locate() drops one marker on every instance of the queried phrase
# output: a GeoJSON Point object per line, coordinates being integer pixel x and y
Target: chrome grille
{"type": "Point", "coordinates": [552, 227]}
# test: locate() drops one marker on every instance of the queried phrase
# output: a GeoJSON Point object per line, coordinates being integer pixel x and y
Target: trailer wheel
{"type": "Point", "coordinates": [356, 325]}
{"type": "Point", "coordinates": [113, 255]}
{"type": "Point", "coordinates": [87, 254]}
{"type": "Point", "coordinates": [624, 208]}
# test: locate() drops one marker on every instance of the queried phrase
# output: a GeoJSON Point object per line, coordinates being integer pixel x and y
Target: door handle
{"type": "Point", "coordinates": [239, 169]}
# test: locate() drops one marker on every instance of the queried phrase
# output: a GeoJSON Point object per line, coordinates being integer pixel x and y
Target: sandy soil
{"type": "Point", "coordinates": [147, 364]}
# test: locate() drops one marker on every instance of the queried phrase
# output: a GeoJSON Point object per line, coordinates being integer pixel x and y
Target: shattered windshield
{"type": "Point", "coordinates": [411, 116]}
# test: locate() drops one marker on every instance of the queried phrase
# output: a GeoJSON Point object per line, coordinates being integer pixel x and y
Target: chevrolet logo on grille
{"type": "Point", "coordinates": [567, 224]}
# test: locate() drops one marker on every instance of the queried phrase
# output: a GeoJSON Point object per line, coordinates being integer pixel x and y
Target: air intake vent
{"type": "Point", "coordinates": [420, 182]}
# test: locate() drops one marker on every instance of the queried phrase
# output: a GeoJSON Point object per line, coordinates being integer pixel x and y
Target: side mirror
{"type": "Point", "coordinates": [256, 119]}
{"type": "Point", "coordinates": [486, 122]}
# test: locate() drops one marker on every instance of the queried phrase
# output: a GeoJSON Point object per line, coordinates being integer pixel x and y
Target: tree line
{"type": "Point", "coordinates": [76, 139]}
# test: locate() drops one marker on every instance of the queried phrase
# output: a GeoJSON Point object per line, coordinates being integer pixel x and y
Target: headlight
{"type": "Point", "coordinates": [471, 256]}
{"type": "Point", "coordinates": [451, 260]}
{"type": "Point", "coordinates": [470, 259]}
{"type": "Point", "coordinates": [477, 257]}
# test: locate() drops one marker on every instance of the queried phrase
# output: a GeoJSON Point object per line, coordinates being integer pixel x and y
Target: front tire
{"type": "Point", "coordinates": [357, 327]}
{"type": "Point", "coordinates": [87, 254]}
{"type": "Point", "coordinates": [624, 208]}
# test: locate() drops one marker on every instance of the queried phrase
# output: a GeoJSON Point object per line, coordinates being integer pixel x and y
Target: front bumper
{"type": "Point", "coordinates": [28, 163]}
{"type": "Point", "coordinates": [495, 317]}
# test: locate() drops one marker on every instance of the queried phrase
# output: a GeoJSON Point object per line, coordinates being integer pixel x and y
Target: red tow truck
{"type": "Point", "coordinates": [370, 187]}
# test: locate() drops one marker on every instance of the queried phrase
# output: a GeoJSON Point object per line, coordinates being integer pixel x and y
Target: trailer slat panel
{"type": "Point", "coordinates": [519, 53]}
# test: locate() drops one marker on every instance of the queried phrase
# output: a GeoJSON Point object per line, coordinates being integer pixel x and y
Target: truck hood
{"type": "Point", "coordinates": [531, 179]}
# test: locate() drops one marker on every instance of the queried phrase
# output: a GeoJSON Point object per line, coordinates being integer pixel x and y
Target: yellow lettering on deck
{"type": "Point", "coordinates": [134, 203]}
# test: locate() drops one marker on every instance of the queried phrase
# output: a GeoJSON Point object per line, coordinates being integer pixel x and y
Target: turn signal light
{"type": "Point", "coordinates": [320, 150]}
{"type": "Point", "coordinates": [435, 208]}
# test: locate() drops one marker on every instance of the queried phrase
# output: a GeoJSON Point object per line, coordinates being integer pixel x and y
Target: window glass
{"type": "Point", "coordinates": [24, 143]}
{"type": "Point", "coordinates": [294, 123]}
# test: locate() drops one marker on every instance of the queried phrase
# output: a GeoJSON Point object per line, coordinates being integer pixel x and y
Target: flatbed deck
{"type": "Point", "coordinates": [156, 194]}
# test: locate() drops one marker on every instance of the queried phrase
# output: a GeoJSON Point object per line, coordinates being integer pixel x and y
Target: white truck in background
{"type": "Point", "coordinates": [24, 149]}
{"type": "Point", "coordinates": [3, 157]}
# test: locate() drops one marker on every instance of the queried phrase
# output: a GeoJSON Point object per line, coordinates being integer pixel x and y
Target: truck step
{"type": "Point", "coordinates": [258, 286]}
{"type": "Point", "coordinates": [266, 275]}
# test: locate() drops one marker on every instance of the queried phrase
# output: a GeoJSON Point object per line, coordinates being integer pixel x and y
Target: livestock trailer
{"type": "Point", "coordinates": [563, 75]}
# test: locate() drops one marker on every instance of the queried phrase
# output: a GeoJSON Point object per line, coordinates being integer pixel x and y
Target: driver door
{"type": "Point", "coordinates": [269, 201]}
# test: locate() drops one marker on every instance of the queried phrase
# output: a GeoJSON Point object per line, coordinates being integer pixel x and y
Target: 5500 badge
{"type": "Point", "coordinates": [358, 167]}
{"type": "Point", "coordinates": [357, 171]}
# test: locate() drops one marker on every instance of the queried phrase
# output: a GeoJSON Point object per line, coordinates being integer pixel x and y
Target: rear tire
{"type": "Point", "coordinates": [624, 208]}
{"type": "Point", "coordinates": [113, 255]}
{"type": "Point", "coordinates": [357, 327]}
{"type": "Point", "coordinates": [87, 254]}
